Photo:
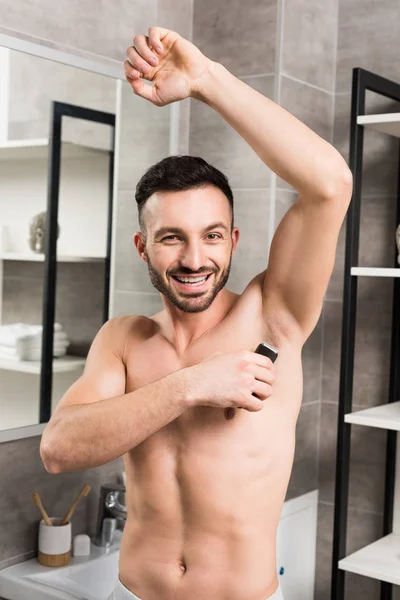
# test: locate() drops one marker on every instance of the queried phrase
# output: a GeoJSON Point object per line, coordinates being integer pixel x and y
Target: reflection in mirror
{"type": "Point", "coordinates": [28, 87]}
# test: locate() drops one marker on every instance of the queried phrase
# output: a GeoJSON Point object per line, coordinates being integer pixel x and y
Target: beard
{"type": "Point", "coordinates": [192, 302]}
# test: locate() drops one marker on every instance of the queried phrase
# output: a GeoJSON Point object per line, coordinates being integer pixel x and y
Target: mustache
{"type": "Point", "coordinates": [186, 272]}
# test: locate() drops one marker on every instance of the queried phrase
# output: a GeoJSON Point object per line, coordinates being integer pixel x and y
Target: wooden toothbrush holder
{"type": "Point", "coordinates": [54, 543]}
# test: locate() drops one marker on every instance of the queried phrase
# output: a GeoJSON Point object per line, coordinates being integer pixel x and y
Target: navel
{"type": "Point", "coordinates": [229, 413]}
{"type": "Point", "coordinates": [182, 565]}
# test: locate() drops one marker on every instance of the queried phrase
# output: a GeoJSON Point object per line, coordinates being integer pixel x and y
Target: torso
{"type": "Point", "coordinates": [205, 493]}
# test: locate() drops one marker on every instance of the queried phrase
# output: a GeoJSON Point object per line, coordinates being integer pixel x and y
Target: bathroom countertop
{"type": "Point", "coordinates": [16, 581]}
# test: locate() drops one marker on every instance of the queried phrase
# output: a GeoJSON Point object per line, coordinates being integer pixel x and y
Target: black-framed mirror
{"type": "Point", "coordinates": [57, 144]}
{"type": "Point", "coordinates": [51, 336]}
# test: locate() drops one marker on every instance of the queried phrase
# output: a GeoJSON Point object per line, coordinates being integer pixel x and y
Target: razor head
{"type": "Point", "coordinates": [267, 350]}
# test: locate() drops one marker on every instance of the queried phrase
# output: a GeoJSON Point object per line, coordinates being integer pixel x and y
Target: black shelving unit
{"type": "Point", "coordinates": [363, 81]}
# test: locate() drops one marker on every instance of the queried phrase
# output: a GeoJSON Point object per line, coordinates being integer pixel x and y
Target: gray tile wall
{"type": "Point", "coordinates": [367, 34]}
{"type": "Point", "coordinates": [306, 86]}
{"type": "Point", "coordinates": [306, 89]}
{"type": "Point", "coordinates": [80, 24]}
{"type": "Point", "coordinates": [31, 119]}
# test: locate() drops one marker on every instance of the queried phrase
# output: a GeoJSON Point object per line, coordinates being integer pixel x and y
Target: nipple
{"type": "Point", "coordinates": [229, 413]}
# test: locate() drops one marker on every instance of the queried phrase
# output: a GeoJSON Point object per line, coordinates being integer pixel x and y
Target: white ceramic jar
{"type": "Point", "coordinates": [55, 539]}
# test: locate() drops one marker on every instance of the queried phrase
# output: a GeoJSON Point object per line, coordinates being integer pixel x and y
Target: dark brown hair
{"type": "Point", "coordinates": [176, 173]}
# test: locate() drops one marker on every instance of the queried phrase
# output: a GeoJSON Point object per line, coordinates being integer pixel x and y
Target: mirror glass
{"type": "Point", "coordinates": [28, 87]}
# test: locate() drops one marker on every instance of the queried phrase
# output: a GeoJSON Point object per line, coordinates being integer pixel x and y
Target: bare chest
{"type": "Point", "coordinates": [155, 358]}
{"type": "Point", "coordinates": [248, 456]}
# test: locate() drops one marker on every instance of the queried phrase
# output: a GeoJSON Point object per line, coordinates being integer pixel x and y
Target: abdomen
{"type": "Point", "coordinates": [207, 493]}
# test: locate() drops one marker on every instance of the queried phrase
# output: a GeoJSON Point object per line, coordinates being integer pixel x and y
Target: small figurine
{"type": "Point", "coordinates": [37, 229]}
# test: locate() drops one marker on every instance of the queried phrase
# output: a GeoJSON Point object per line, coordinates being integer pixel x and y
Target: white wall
{"type": "Point", "coordinates": [82, 209]}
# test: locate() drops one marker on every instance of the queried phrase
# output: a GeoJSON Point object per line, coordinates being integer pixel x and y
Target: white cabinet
{"type": "Point", "coordinates": [296, 545]}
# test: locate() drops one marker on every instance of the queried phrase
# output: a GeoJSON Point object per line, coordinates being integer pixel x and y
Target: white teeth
{"type": "Point", "coordinates": [191, 279]}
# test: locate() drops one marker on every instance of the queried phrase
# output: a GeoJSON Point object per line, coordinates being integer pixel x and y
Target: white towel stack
{"type": "Point", "coordinates": [20, 341]}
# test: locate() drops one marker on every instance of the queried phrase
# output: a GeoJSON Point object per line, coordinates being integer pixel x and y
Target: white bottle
{"type": "Point", "coordinates": [81, 545]}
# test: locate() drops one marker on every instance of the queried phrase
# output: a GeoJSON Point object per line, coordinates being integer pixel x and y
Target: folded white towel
{"type": "Point", "coordinates": [22, 348]}
{"type": "Point", "coordinates": [60, 344]}
{"type": "Point", "coordinates": [6, 351]}
{"type": "Point", "coordinates": [9, 334]}
{"type": "Point", "coordinates": [14, 354]}
{"type": "Point", "coordinates": [36, 338]}
{"type": "Point", "coordinates": [14, 358]}
{"type": "Point", "coordinates": [37, 354]}
{"type": "Point", "coordinates": [36, 342]}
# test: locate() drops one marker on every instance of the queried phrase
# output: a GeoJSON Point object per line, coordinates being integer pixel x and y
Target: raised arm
{"type": "Point", "coordinates": [303, 250]}
{"type": "Point", "coordinates": [290, 148]}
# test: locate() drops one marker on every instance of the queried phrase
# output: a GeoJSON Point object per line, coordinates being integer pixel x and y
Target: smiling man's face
{"type": "Point", "coordinates": [188, 236]}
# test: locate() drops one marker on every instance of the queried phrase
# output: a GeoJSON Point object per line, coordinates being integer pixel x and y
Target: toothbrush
{"type": "Point", "coordinates": [84, 492]}
{"type": "Point", "coordinates": [38, 503]}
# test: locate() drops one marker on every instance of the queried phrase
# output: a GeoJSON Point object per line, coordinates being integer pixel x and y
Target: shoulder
{"type": "Point", "coordinates": [122, 331]}
{"type": "Point", "coordinates": [127, 323]}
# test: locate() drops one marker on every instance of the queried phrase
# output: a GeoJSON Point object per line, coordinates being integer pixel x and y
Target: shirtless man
{"type": "Point", "coordinates": [205, 485]}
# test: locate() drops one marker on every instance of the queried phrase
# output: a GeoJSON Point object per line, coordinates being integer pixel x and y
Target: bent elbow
{"type": "Point", "coordinates": [348, 177]}
{"type": "Point", "coordinates": [342, 186]}
{"type": "Point", "coordinates": [50, 465]}
{"type": "Point", "coordinates": [347, 183]}
{"type": "Point", "coordinates": [48, 459]}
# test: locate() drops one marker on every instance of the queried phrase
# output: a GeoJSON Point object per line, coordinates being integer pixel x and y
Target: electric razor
{"type": "Point", "coordinates": [267, 350]}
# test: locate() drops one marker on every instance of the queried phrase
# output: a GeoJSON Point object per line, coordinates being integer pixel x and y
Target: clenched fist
{"type": "Point", "coordinates": [240, 379]}
{"type": "Point", "coordinates": [174, 65]}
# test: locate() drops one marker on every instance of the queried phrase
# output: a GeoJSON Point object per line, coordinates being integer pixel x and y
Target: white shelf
{"type": "Point", "coordinates": [384, 123]}
{"type": "Point", "coordinates": [380, 560]}
{"type": "Point", "coordinates": [386, 416]}
{"type": "Point", "coordinates": [39, 148]}
{"type": "Point", "coordinates": [60, 365]}
{"type": "Point", "coordinates": [375, 272]}
{"type": "Point", "coordinates": [40, 257]}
